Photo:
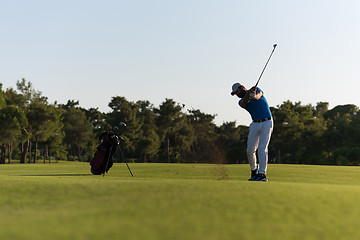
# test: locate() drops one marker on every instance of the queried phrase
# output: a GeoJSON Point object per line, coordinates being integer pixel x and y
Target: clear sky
{"type": "Point", "coordinates": [190, 50]}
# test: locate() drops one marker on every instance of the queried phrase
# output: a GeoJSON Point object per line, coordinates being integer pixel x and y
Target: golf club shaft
{"type": "Point", "coordinates": [265, 66]}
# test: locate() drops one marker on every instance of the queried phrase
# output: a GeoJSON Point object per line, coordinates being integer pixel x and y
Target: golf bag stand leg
{"type": "Point", "coordinates": [123, 157]}
{"type": "Point", "coordinates": [108, 159]}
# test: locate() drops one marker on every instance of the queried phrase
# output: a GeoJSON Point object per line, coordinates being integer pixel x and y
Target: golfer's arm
{"type": "Point", "coordinates": [245, 100]}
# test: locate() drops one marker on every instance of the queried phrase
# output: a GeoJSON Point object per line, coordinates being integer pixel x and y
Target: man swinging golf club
{"type": "Point", "coordinates": [261, 128]}
{"type": "Point", "coordinates": [255, 103]}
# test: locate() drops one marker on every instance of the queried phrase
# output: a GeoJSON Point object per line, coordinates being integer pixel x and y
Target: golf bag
{"type": "Point", "coordinates": [102, 160]}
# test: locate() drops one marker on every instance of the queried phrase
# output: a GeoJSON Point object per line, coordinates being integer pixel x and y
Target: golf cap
{"type": "Point", "coordinates": [235, 87]}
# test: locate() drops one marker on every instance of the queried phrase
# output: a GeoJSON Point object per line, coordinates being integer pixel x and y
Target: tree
{"type": "Point", "coordinates": [125, 111]}
{"type": "Point", "coordinates": [170, 119]}
{"type": "Point", "coordinates": [2, 97]}
{"type": "Point", "coordinates": [28, 92]}
{"type": "Point", "coordinates": [147, 146]}
{"type": "Point", "coordinates": [98, 120]}
{"type": "Point", "coordinates": [54, 146]}
{"type": "Point", "coordinates": [21, 100]}
{"type": "Point", "coordinates": [287, 131]}
{"type": "Point", "coordinates": [28, 96]}
{"type": "Point", "coordinates": [233, 140]}
{"type": "Point", "coordinates": [78, 132]}
{"type": "Point", "coordinates": [149, 143]}
{"type": "Point", "coordinates": [321, 108]}
{"type": "Point", "coordinates": [341, 135]}
{"type": "Point", "coordinates": [13, 121]}
{"type": "Point", "coordinates": [44, 122]}
{"type": "Point", "coordinates": [205, 147]}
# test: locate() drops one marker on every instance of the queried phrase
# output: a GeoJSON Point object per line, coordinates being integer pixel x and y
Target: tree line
{"type": "Point", "coordinates": [33, 130]}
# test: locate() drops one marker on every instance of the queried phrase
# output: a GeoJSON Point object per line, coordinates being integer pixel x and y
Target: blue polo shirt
{"type": "Point", "coordinates": [258, 109]}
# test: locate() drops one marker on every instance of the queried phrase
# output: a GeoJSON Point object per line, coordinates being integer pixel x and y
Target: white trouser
{"type": "Point", "coordinates": [258, 139]}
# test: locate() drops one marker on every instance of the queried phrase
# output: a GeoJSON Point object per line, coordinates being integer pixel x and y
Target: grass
{"type": "Point", "coordinates": [178, 201]}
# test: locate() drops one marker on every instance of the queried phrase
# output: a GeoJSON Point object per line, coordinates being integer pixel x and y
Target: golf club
{"type": "Point", "coordinates": [121, 124]}
{"type": "Point", "coordinates": [265, 65]}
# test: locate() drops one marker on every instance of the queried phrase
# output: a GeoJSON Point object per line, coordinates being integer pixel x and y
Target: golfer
{"type": "Point", "coordinates": [260, 128]}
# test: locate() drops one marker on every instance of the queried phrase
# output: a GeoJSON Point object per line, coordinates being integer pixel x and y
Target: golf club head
{"type": "Point", "coordinates": [122, 124]}
{"type": "Point", "coordinates": [274, 46]}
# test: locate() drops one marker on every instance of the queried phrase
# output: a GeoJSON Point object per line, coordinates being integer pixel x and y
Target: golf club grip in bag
{"type": "Point", "coordinates": [102, 161]}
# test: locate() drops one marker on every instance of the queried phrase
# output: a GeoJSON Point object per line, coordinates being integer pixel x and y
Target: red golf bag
{"type": "Point", "coordinates": [102, 160]}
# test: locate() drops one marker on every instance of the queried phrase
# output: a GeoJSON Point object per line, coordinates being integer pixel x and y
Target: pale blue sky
{"type": "Point", "coordinates": [190, 51]}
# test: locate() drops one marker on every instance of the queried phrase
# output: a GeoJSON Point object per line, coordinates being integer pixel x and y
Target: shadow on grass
{"type": "Point", "coordinates": [56, 175]}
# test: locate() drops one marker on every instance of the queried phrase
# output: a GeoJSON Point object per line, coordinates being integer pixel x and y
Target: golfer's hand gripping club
{"type": "Point", "coordinates": [252, 93]}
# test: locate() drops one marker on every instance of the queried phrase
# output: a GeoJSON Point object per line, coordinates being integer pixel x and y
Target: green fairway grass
{"type": "Point", "coordinates": [178, 201]}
